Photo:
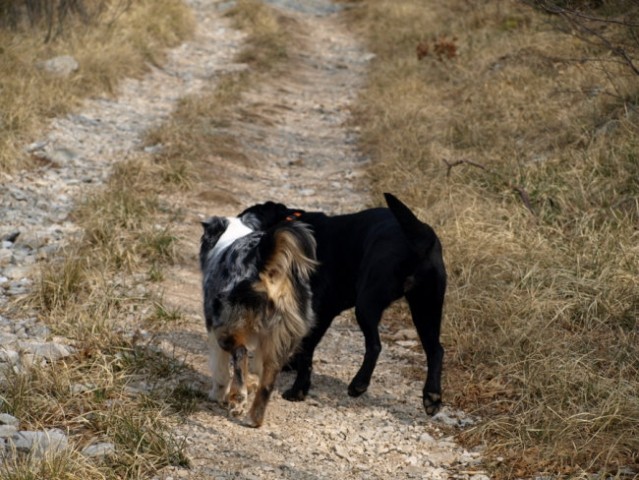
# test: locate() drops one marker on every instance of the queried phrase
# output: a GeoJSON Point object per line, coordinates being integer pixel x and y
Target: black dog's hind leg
{"type": "Point", "coordinates": [426, 300]}
{"type": "Point", "coordinates": [368, 313]}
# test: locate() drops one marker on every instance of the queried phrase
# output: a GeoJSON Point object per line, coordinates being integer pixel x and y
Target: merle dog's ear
{"type": "Point", "coordinates": [214, 226]}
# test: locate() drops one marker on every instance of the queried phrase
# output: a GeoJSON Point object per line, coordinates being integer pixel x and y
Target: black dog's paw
{"type": "Point", "coordinates": [294, 395]}
{"type": "Point", "coordinates": [356, 389]}
{"type": "Point", "coordinates": [432, 403]}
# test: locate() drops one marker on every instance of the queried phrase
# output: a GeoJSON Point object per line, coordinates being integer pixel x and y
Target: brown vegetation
{"type": "Point", "coordinates": [522, 154]}
{"type": "Point", "coordinates": [88, 293]}
{"type": "Point", "coordinates": [118, 385]}
{"type": "Point", "coordinates": [115, 41]}
{"type": "Point", "coordinates": [526, 162]}
{"type": "Point", "coordinates": [188, 136]}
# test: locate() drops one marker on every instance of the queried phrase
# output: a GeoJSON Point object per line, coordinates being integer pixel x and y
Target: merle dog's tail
{"type": "Point", "coordinates": [421, 236]}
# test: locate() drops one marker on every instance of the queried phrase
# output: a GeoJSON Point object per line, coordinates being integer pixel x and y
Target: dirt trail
{"type": "Point", "coordinates": [295, 130]}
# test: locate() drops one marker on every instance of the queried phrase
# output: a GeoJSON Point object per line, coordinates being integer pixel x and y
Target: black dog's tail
{"type": "Point", "coordinates": [421, 236]}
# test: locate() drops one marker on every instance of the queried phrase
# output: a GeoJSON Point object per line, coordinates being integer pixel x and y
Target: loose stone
{"type": "Point", "coordinates": [39, 444]}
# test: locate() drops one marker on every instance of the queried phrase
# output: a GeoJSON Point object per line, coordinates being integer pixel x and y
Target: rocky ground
{"type": "Point", "coordinates": [303, 151]}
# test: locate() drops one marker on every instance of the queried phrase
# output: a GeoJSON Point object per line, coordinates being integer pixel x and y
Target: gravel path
{"type": "Point", "coordinates": [303, 151]}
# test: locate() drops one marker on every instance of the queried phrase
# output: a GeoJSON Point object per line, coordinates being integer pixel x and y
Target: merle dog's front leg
{"type": "Point", "coordinates": [270, 369]}
{"type": "Point", "coordinates": [219, 365]}
{"type": "Point", "coordinates": [238, 390]}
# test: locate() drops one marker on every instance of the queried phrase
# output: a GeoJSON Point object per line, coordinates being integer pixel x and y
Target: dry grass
{"type": "Point", "coordinates": [118, 387]}
{"type": "Point", "coordinates": [199, 128]}
{"type": "Point", "coordinates": [539, 218]}
{"type": "Point", "coordinates": [92, 396]}
{"type": "Point", "coordinates": [115, 387]}
{"type": "Point", "coordinates": [268, 37]}
{"type": "Point", "coordinates": [89, 293]}
{"type": "Point", "coordinates": [120, 43]}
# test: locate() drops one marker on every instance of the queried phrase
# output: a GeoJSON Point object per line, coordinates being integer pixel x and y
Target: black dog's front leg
{"type": "Point", "coordinates": [368, 314]}
{"type": "Point", "coordinates": [303, 362]}
{"type": "Point", "coordinates": [302, 384]}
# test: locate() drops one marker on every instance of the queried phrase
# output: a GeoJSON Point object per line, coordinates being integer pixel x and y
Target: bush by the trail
{"type": "Point", "coordinates": [109, 39]}
{"type": "Point", "coordinates": [51, 16]}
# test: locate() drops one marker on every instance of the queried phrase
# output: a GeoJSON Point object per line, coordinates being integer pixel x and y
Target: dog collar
{"type": "Point", "coordinates": [294, 216]}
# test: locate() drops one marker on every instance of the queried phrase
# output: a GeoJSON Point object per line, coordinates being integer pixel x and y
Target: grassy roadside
{"type": "Point", "coordinates": [527, 166]}
{"type": "Point", "coordinates": [118, 43]}
{"type": "Point", "coordinates": [118, 386]}
{"type": "Point", "coordinates": [113, 388]}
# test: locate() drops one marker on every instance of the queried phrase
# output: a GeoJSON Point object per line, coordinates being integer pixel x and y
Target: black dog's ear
{"type": "Point", "coordinates": [265, 215]}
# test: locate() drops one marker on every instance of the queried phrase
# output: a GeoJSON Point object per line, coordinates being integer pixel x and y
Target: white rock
{"type": "Point", "coordinates": [7, 338]}
{"type": "Point", "coordinates": [406, 334]}
{"type": "Point", "coordinates": [7, 431]}
{"type": "Point", "coordinates": [342, 453]}
{"type": "Point", "coordinates": [48, 350]}
{"type": "Point", "coordinates": [102, 449]}
{"type": "Point", "coordinates": [443, 417]}
{"type": "Point", "coordinates": [9, 356]}
{"type": "Point", "coordinates": [39, 444]}
{"type": "Point", "coordinates": [5, 256]}
{"type": "Point", "coordinates": [426, 438]}
{"type": "Point", "coordinates": [62, 66]}
{"type": "Point", "coordinates": [6, 419]}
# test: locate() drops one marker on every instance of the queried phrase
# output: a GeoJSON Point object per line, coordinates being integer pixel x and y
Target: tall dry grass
{"type": "Point", "coordinates": [199, 127]}
{"type": "Point", "coordinates": [527, 164]}
{"type": "Point", "coordinates": [120, 42]}
{"type": "Point", "coordinates": [118, 386]}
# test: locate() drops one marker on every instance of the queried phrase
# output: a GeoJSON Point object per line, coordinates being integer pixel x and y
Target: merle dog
{"type": "Point", "coordinates": [257, 297]}
{"type": "Point", "coordinates": [368, 260]}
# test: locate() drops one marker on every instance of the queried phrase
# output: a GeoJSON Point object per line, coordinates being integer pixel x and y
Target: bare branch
{"type": "Point", "coordinates": [615, 49]}
{"type": "Point", "coordinates": [523, 194]}
{"type": "Point", "coordinates": [582, 21]}
{"type": "Point", "coordinates": [557, 10]}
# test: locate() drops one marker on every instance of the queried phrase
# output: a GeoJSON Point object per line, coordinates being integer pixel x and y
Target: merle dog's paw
{"type": "Point", "coordinates": [237, 409]}
{"type": "Point", "coordinates": [237, 403]}
{"type": "Point", "coordinates": [294, 395]}
{"type": "Point", "coordinates": [432, 403]}
{"type": "Point", "coordinates": [219, 394]}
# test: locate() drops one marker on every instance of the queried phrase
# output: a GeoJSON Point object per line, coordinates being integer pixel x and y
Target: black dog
{"type": "Point", "coordinates": [368, 260]}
